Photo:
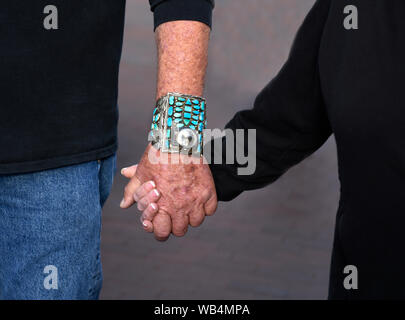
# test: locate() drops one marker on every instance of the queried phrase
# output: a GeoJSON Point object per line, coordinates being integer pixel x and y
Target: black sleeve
{"type": "Point", "coordinates": [289, 115]}
{"type": "Point", "coordinates": [170, 10]}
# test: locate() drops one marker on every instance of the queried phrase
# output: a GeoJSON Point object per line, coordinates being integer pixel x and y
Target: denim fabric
{"type": "Point", "coordinates": [50, 224]}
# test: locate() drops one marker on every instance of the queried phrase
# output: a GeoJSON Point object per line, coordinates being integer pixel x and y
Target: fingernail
{"type": "Point", "coordinates": [153, 184]}
{"type": "Point", "coordinates": [144, 224]}
{"type": "Point", "coordinates": [154, 206]}
{"type": "Point", "coordinates": [122, 203]}
{"type": "Point", "coordinates": [122, 170]}
{"type": "Point", "coordinates": [156, 192]}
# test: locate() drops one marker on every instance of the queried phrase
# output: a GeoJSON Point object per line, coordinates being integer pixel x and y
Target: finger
{"type": "Point", "coordinates": [152, 197]}
{"type": "Point", "coordinates": [129, 172]}
{"type": "Point", "coordinates": [144, 190]}
{"type": "Point", "coordinates": [150, 212]}
{"type": "Point", "coordinates": [129, 191]}
{"type": "Point", "coordinates": [211, 205]}
{"type": "Point", "coordinates": [162, 226]}
{"type": "Point", "coordinates": [180, 225]}
{"type": "Point", "coordinates": [147, 225]}
{"type": "Point", "coordinates": [197, 217]}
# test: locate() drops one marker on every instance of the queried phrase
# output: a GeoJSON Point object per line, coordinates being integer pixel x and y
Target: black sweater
{"type": "Point", "coordinates": [59, 85]}
{"type": "Point", "coordinates": [349, 83]}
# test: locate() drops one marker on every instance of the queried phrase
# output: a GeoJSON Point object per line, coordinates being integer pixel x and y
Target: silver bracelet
{"type": "Point", "coordinates": [178, 124]}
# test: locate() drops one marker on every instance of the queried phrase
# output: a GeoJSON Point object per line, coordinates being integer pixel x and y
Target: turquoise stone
{"type": "Point", "coordinates": [180, 125]}
{"type": "Point", "coordinates": [199, 148]}
{"type": "Point", "coordinates": [202, 116]}
{"type": "Point", "coordinates": [171, 100]}
{"type": "Point", "coordinates": [178, 120]}
{"type": "Point", "coordinates": [154, 111]}
{"type": "Point", "coordinates": [191, 127]}
{"type": "Point", "coordinates": [186, 122]}
{"type": "Point", "coordinates": [188, 102]}
{"type": "Point", "coordinates": [187, 115]}
{"type": "Point", "coordinates": [202, 105]}
{"type": "Point", "coordinates": [197, 107]}
{"type": "Point", "coordinates": [195, 101]}
{"type": "Point", "coordinates": [170, 111]}
{"type": "Point", "coordinates": [157, 117]}
{"type": "Point", "coordinates": [167, 144]}
{"type": "Point", "coordinates": [196, 112]}
{"type": "Point", "coordinates": [181, 99]}
{"type": "Point", "coordinates": [194, 122]}
{"type": "Point", "coordinates": [168, 133]}
{"type": "Point", "coordinates": [179, 104]}
{"type": "Point", "coordinates": [201, 127]}
{"type": "Point", "coordinates": [155, 126]}
{"type": "Point", "coordinates": [169, 122]}
{"type": "Point", "coordinates": [179, 109]}
{"type": "Point", "coordinates": [177, 115]}
{"type": "Point", "coordinates": [195, 117]}
{"type": "Point", "coordinates": [188, 109]}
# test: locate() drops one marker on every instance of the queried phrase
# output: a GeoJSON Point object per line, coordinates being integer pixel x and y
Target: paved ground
{"type": "Point", "coordinates": [269, 244]}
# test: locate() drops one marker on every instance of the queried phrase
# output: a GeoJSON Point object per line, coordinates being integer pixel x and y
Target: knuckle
{"type": "Point", "coordinates": [140, 206]}
{"type": "Point", "coordinates": [197, 219]}
{"type": "Point", "coordinates": [147, 215]}
{"type": "Point", "coordinates": [136, 195]}
{"type": "Point", "coordinates": [144, 202]}
{"type": "Point", "coordinates": [150, 197]}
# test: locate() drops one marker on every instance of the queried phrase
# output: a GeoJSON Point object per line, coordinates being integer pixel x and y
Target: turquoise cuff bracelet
{"type": "Point", "coordinates": [178, 124]}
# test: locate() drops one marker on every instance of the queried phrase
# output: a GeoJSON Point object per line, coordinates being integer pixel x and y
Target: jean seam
{"type": "Point", "coordinates": [96, 276]}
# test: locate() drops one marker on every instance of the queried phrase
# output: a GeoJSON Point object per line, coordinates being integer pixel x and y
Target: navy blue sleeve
{"type": "Point", "coordinates": [171, 10]}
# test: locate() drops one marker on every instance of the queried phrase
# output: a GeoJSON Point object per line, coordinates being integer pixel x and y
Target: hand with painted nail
{"type": "Point", "coordinates": [144, 195]}
{"type": "Point", "coordinates": [185, 193]}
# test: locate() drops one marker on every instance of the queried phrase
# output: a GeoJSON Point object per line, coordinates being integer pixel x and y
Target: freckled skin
{"type": "Point", "coordinates": [182, 57]}
{"type": "Point", "coordinates": [188, 193]}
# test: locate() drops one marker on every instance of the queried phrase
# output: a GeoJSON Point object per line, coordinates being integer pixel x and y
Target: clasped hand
{"type": "Point", "coordinates": [171, 194]}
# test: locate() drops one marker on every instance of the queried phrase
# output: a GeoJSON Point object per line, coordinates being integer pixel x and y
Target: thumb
{"type": "Point", "coordinates": [128, 199]}
{"type": "Point", "coordinates": [129, 172]}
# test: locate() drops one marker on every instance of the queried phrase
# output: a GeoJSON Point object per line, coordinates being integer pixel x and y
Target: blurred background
{"type": "Point", "coordinates": [273, 243]}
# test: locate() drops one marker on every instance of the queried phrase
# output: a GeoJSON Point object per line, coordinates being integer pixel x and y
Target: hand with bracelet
{"type": "Point", "coordinates": [172, 184]}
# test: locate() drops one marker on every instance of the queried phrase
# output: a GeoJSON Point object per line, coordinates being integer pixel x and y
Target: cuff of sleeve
{"type": "Point", "coordinates": [224, 183]}
{"type": "Point", "coordinates": [172, 10]}
{"type": "Point", "coordinates": [227, 186]}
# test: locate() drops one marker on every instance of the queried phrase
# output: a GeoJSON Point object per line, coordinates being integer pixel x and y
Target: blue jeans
{"type": "Point", "coordinates": [50, 224]}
